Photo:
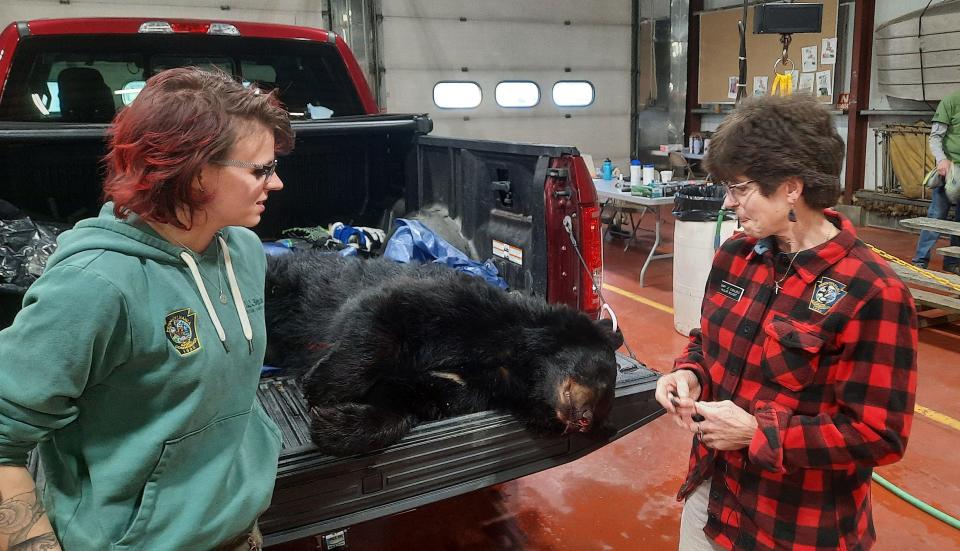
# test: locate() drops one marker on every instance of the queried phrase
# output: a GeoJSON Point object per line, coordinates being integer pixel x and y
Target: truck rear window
{"type": "Point", "coordinates": [89, 78]}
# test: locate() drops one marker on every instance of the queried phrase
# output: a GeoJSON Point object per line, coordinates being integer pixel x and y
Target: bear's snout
{"type": "Point", "coordinates": [579, 407]}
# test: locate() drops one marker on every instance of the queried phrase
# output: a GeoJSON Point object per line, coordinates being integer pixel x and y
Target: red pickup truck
{"type": "Point", "coordinates": [62, 81]}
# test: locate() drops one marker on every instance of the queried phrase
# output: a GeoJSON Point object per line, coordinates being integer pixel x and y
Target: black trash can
{"type": "Point", "coordinates": [699, 203]}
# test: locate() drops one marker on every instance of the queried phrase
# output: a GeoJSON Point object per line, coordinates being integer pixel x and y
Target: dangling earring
{"type": "Point", "coordinates": [792, 216]}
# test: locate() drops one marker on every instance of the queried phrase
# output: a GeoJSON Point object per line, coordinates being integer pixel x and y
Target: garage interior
{"type": "Point", "coordinates": [658, 72]}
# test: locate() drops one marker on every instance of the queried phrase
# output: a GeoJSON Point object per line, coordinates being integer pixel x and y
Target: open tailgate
{"type": "Point", "coordinates": [316, 493]}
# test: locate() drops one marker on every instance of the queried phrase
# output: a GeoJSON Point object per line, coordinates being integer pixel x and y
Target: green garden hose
{"type": "Point", "coordinates": [937, 513]}
{"type": "Point", "coordinates": [721, 214]}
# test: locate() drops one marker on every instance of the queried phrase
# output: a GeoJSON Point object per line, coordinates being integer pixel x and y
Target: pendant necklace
{"type": "Point", "coordinates": [777, 284]}
{"type": "Point", "coordinates": [223, 295]}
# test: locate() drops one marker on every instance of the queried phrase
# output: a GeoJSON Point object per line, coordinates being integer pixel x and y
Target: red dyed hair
{"type": "Point", "coordinates": [182, 119]}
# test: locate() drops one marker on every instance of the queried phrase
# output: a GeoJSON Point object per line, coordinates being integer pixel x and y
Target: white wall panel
{"type": "Point", "coordinates": [548, 11]}
{"type": "Point", "coordinates": [446, 44]}
{"type": "Point", "coordinates": [425, 41]}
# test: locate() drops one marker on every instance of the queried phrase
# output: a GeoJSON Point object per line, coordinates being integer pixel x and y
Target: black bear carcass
{"type": "Point", "coordinates": [383, 346]}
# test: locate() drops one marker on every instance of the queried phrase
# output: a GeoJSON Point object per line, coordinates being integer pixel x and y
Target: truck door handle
{"type": "Point", "coordinates": [503, 188]}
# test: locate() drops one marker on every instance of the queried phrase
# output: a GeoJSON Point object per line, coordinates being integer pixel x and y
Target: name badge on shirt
{"type": "Point", "coordinates": [827, 293]}
{"type": "Point", "coordinates": [730, 290]}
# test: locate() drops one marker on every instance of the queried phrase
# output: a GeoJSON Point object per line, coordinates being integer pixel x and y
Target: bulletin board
{"type": "Point", "coordinates": [720, 49]}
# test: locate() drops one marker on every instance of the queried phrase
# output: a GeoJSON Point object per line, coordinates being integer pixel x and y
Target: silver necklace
{"type": "Point", "coordinates": [777, 283]}
{"type": "Point", "coordinates": [220, 286]}
{"type": "Point", "coordinates": [223, 294]}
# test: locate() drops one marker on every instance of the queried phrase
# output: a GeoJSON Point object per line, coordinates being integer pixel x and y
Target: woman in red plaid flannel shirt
{"type": "Point", "coordinates": [801, 378]}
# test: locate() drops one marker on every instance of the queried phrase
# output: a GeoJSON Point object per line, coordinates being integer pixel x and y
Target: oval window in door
{"type": "Point", "coordinates": [457, 95]}
{"type": "Point", "coordinates": [517, 93]}
{"type": "Point", "coordinates": [573, 93]}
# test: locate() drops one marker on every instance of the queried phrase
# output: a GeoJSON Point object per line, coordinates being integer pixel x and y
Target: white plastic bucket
{"type": "Point", "coordinates": [692, 257]}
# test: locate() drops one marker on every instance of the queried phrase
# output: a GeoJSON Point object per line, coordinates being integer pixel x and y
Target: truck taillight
{"type": "Point", "coordinates": [591, 244]}
{"type": "Point", "coordinates": [195, 27]}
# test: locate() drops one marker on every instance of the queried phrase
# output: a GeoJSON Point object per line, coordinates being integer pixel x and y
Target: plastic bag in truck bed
{"type": "Point", "coordinates": [25, 246]}
{"type": "Point", "coordinates": [339, 238]}
{"type": "Point", "coordinates": [414, 242]}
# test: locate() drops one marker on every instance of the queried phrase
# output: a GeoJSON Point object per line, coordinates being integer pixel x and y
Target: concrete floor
{"type": "Point", "coordinates": [622, 497]}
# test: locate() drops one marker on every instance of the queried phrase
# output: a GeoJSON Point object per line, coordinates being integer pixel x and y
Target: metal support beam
{"type": "Point", "coordinates": [859, 97]}
{"type": "Point", "coordinates": [692, 122]}
{"type": "Point", "coordinates": [679, 54]}
{"type": "Point", "coordinates": [634, 79]}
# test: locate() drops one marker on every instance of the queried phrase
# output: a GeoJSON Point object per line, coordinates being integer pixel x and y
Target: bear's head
{"type": "Point", "coordinates": [578, 374]}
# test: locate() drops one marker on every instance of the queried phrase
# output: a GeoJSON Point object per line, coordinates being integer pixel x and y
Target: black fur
{"type": "Point", "coordinates": [384, 346]}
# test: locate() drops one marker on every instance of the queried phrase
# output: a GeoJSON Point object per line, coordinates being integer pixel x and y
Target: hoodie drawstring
{"type": "Point", "coordinates": [237, 297]}
{"type": "Point", "coordinates": [192, 264]}
{"type": "Point", "coordinates": [234, 291]}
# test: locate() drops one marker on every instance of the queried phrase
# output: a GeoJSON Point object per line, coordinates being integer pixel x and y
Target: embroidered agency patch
{"type": "Point", "coordinates": [827, 293]}
{"type": "Point", "coordinates": [181, 330]}
{"type": "Point", "coordinates": [730, 290]}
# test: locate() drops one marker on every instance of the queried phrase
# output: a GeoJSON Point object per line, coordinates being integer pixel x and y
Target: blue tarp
{"type": "Point", "coordinates": [414, 242]}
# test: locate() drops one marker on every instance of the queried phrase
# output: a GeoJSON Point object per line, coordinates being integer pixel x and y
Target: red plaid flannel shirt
{"type": "Point", "coordinates": [827, 366]}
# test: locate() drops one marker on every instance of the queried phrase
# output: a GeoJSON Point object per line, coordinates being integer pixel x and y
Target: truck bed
{"type": "Point", "coordinates": [437, 460]}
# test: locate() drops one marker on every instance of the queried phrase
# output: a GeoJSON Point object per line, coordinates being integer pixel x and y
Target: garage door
{"type": "Point", "coordinates": [425, 42]}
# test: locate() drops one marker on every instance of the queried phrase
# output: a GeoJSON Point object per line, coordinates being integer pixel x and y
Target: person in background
{"type": "Point", "coordinates": [802, 376]}
{"type": "Point", "coordinates": [945, 145]}
{"type": "Point", "coordinates": [135, 360]}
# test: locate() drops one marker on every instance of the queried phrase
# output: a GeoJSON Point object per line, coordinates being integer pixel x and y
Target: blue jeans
{"type": "Point", "coordinates": [939, 208]}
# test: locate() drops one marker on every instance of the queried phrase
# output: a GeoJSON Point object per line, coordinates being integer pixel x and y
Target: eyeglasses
{"type": "Point", "coordinates": [737, 191]}
{"type": "Point", "coordinates": [261, 171]}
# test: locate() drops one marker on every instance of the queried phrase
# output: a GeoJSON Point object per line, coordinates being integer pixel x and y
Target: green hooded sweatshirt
{"type": "Point", "coordinates": [140, 387]}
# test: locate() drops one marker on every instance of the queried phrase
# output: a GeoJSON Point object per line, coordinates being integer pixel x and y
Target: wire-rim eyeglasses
{"type": "Point", "coordinates": [734, 191]}
{"type": "Point", "coordinates": [262, 171]}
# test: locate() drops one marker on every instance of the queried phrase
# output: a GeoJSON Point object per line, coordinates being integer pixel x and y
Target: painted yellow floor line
{"type": "Point", "coordinates": [937, 416]}
{"type": "Point", "coordinates": [638, 298]}
{"type": "Point", "coordinates": [926, 412]}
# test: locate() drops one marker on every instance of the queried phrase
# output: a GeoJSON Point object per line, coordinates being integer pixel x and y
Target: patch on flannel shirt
{"type": "Point", "coordinates": [730, 290]}
{"type": "Point", "coordinates": [827, 293]}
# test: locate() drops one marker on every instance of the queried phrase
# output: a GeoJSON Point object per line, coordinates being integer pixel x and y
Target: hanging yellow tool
{"type": "Point", "coordinates": [783, 82]}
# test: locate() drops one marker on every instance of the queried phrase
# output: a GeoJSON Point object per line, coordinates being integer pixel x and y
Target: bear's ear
{"type": "Point", "coordinates": [614, 338]}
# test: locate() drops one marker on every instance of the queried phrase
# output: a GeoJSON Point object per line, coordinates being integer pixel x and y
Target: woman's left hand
{"type": "Point", "coordinates": [725, 425]}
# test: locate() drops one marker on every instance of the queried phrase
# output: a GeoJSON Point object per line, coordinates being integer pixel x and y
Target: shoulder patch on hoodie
{"type": "Point", "coordinates": [181, 329]}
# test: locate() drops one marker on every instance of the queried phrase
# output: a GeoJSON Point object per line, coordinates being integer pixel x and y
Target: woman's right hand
{"type": "Point", "coordinates": [943, 167]}
{"type": "Point", "coordinates": [678, 392]}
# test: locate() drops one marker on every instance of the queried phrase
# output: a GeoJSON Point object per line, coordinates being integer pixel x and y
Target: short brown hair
{"type": "Point", "coordinates": [182, 119]}
{"type": "Point", "coordinates": [772, 138]}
